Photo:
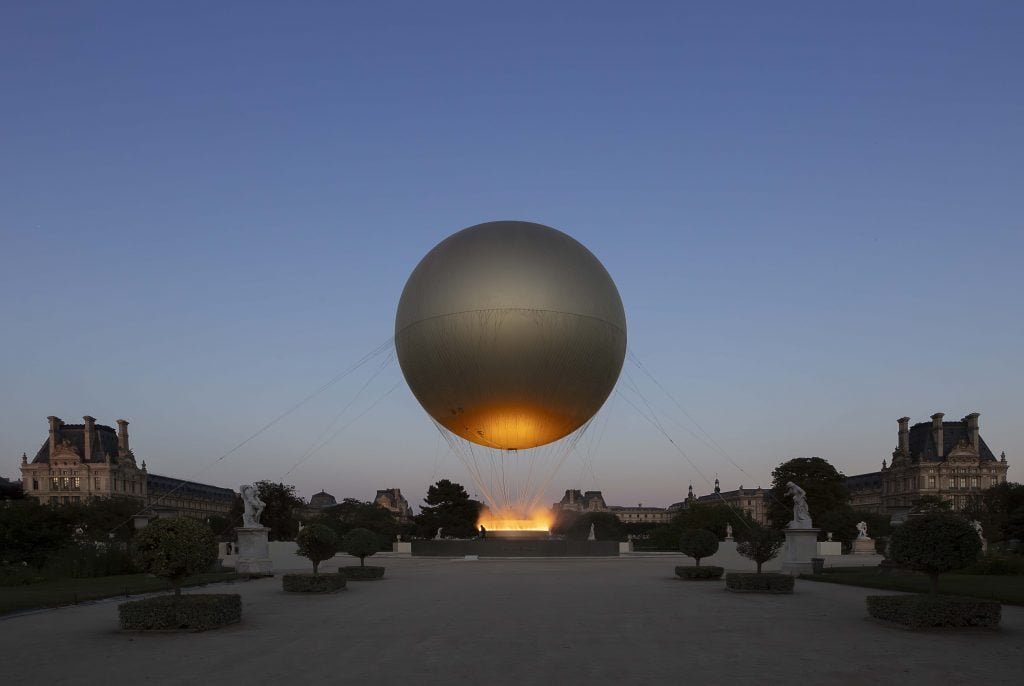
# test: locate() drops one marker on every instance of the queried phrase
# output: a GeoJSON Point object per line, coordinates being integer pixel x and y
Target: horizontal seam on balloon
{"type": "Point", "coordinates": [521, 309]}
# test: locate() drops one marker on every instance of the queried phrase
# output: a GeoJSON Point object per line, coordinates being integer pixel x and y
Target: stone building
{"type": "Point", "coordinates": [593, 501]}
{"type": "Point", "coordinates": [578, 501]}
{"type": "Point", "coordinates": [949, 460]}
{"type": "Point", "coordinates": [753, 502]}
{"type": "Point", "coordinates": [391, 499]}
{"type": "Point", "coordinates": [642, 515]}
{"type": "Point", "coordinates": [89, 460]}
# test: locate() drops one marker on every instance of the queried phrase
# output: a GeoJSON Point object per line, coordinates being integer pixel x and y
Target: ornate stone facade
{"type": "Point", "coordinates": [392, 500]}
{"type": "Point", "coordinates": [948, 460]}
{"type": "Point", "coordinates": [90, 460]}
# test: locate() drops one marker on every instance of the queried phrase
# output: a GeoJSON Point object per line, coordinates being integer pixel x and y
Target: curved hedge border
{"type": "Point", "coordinates": [308, 583]}
{"type": "Point", "coordinates": [935, 611]}
{"type": "Point", "coordinates": [366, 573]}
{"type": "Point", "coordinates": [196, 612]}
{"type": "Point", "coordinates": [694, 573]}
{"type": "Point", "coordinates": [767, 582]}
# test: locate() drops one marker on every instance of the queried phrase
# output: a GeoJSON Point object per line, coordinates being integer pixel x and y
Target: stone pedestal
{"type": "Point", "coordinates": [830, 548]}
{"type": "Point", "coordinates": [253, 552]}
{"type": "Point", "coordinates": [801, 546]}
{"type": "Point", "coordinates": [863, 546]}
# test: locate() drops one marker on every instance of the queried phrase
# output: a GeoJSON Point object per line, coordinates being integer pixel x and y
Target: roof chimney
{"type": "Point", "coordinates": [122, 437]}
{"type": "Point", "coordinates": [904, 444]}
{"type": "Point", "coordinates": [90, 428]}
{"type": "Point", "coordinates": [971, 421]}
{"type": "Point", "coordinates": [54, 433]}
{"type": "Point", "coordinates": [940, 449]}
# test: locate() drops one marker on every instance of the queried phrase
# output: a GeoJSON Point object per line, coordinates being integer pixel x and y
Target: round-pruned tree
{"type": "Point", "coordinates": [360, 543]}
{"type": "Point", "coordinates": [933, 543]}
{"type": "Point", "coordinates": [759, 544]}
{"type": "Point", "coordinates": [698, 543]}
{"type": "Point", "coordinates": [318, 542]}
{"type": "Point", "coordinates": [175, 548]}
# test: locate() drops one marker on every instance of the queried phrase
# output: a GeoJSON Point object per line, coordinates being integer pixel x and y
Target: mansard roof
{"type": "Point", "coordinates": [104, 443]}
{"type": "Point", "coordinates": [872, 481]}
{"type": "Point", "coordinates": [922, 441]}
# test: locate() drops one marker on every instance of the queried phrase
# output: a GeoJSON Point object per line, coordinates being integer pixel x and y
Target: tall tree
{"type": "Point", "coordinates": [1000, 509]}
{"type": "Point", "coordinates": [449, 508]}
{"type": "Point", "coordinates": [713, 518]}
{"type": "Point", "coordinates": [825, 487]}
{"type": "Point", "coordinates": [279, 514]}
{"type": "Point", "coordinates": [352, 513]}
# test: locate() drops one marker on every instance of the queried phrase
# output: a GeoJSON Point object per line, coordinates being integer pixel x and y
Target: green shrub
{"type": "Point", "coordinates": [312, 583]}
{"type": "Point", "coordinates": [317, 542]}
{"type": "Point", "coordinates": [996, 565]}
{"type": "Point", "coordinates": [698, 543]}
{"type": "Point", "coordinates": [175, 549]}
{"type": "Point", "coordinates": [759, 544]}
{"type": "Point", "coordinates": [746, 582]}
{"type": "Point", "coordinates": [933, 543]}
{"type": "Point", "coordinates": [361, 573]}
{"type": "Point", "coordinates": [198, 612]}
{"type": "Point", "coordinates": [934, 611]}
{"type": "Point", "coordinates": [706, 572]}
{"type": "Point", "coordinates": [360, 543]}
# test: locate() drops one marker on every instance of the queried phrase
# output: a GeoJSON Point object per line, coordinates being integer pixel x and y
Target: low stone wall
{"type": "Point", "coordinates": [515, 548]}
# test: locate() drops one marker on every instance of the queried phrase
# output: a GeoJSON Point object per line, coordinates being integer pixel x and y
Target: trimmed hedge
{"type": "Point", "coordinates": [934, 611]}
{"type": "Point", "coordinates": [309, 583]}
{"type": "Point", "coordinates": [361, 573]}
{"type": "Point", "coordinates": [197, 612]}
{"type": "Point", "coordinates": [768, 582]}
{"type": "Point", "coordinates": [692, 573]}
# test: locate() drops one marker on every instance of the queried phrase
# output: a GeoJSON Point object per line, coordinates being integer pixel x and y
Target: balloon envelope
{"type": "Point", "coordinates": [510, 334]}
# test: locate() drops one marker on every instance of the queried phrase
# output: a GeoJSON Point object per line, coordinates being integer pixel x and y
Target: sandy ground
{"type": "Point", "coordinates": [595, 621]}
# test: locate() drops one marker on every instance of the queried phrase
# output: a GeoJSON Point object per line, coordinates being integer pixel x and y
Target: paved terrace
{"type": "Point", "coordinates": [495, 622]}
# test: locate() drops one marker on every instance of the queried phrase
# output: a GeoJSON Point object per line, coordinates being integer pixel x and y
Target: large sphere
{"type": "Point", "coordinates": [510, 334]}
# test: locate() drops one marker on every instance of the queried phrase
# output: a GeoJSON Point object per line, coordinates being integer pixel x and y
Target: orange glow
{"type": "Point", "coordinates": [538, 521]}
{"type": "Point", "coordinates": [508, 427]}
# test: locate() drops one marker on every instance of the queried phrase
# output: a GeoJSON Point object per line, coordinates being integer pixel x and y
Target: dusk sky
{"type": "Point", "coordinates": [812, 211]}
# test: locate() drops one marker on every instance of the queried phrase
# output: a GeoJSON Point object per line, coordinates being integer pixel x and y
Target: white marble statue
{"type": "Point", "coordinates": [801, 517]}
{"type": "Point", "coordinates": [862, 530]}
{"type": "Point", "coordinates": [728, 531]}
{"type": "Point", "coordinates": [977, 527]}
{"type": "Point", "coordinates": [253, 507]}
{"type": "Point", "coordinates": [829, 536]}
{"type": "Point", "coordinates": [591, 536]}
{"type": "Point", "coordinates": [437, 536]}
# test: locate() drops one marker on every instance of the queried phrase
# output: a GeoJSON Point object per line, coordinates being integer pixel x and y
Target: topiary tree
{"type": "Point", "coordinates": [360, 543]}
{"type": "Point", "coordinates": [317, 542]}
{"type": "Point", "coordinates": [175, 549]}
{"type": "Point", "coordinates": [933, 543]}
{"type": "Point", "coordinates": [698, 543]}
{"type": "Point", "coordinates": [759, 544]}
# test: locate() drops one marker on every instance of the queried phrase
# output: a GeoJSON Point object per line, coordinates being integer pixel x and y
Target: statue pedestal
{"type": "Point", "coordinates": [864, 546]}
{"type": "Point", "coordinates": [253, 552]}
{"type": "Point", "coordinates": [801, 546]}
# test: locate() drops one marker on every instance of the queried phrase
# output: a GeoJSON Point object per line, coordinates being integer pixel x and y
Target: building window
{"type": "Point", "coordinates": [963, 482]}
{"type": "Point", "coordinates": [54, 483]}
{"type": "Point", "coordinates": [76, 483]}
{"type": "Point", "coordinates": [931, 482]}
{"type": "Point", "coordinates": [95, 483]}
{"type": "Point", "coordinates": [35, 484]}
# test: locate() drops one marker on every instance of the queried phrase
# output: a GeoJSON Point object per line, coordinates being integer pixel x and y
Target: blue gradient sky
{"type": "Point", "coordinates": [812, 211]}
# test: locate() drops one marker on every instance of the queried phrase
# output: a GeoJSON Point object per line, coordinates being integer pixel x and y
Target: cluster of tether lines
{"type": "Point", "coordinates": [513, 483]}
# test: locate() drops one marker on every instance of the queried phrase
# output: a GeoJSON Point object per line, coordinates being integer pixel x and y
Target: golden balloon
{"type": "Point", "coordinates": [510, 334]}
